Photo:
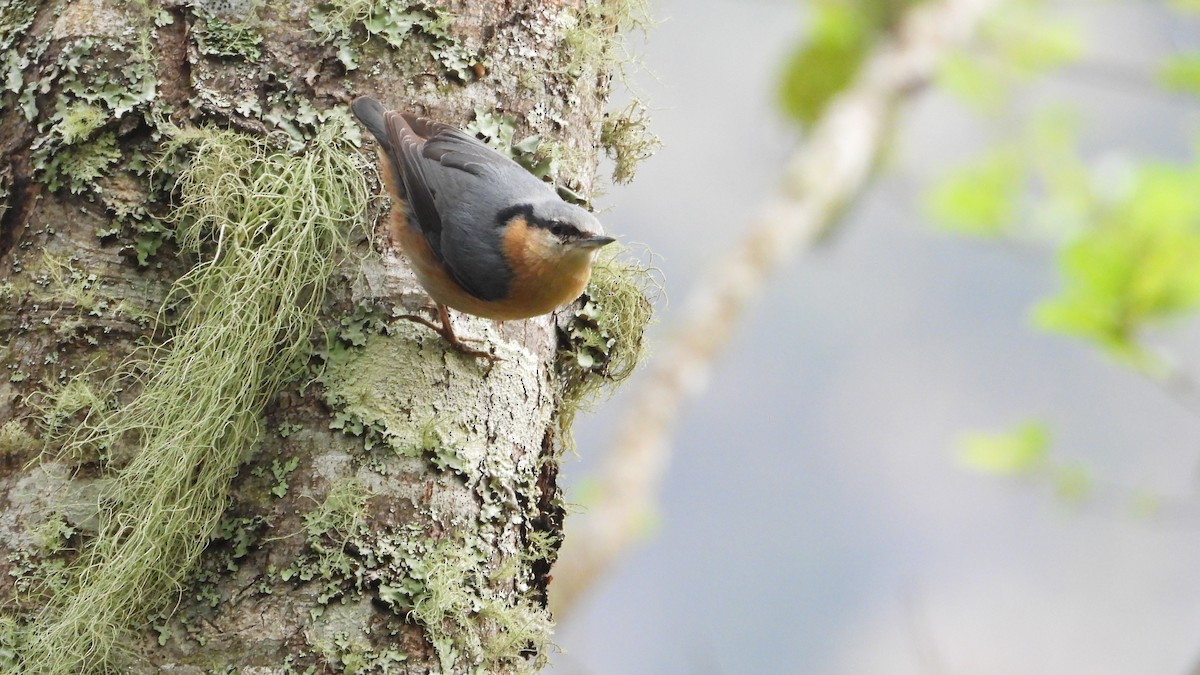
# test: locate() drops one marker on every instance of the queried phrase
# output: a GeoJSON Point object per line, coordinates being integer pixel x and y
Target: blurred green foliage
{"type": "Point", "coordinates": [827, 60]}
{"type": "Point", "coordinates": [1024, 451]}
{"type": "Point", "coordinates": [1017, 43]}
{"type": "Point", "coordinates": [1138, 262]}
{"type": "Point", "coordinates": [1011, 453]}
{"type": "Point", "coordinates": [980, 198]}
{"type": "Point", "coordinates": [1181, 72]}
{"type": "Point", "coordinates": [1125, 229]}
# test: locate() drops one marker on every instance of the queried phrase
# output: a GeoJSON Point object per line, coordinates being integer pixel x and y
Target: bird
{"type": "Point", "coordinates": [483, 235]}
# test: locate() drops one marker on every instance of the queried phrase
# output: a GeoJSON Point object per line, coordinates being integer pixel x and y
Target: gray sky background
{"type": "Point", "coordinates": [815, 519]}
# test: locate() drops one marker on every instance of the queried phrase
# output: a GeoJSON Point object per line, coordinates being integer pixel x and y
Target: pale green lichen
{"type": "Point", "coordinates": [60, 407]}
{"type": "Point", "coordinates": [356, 655]}
{"type": "Point", "coordinates": [393, 22]}
{"type": "Point", "coordinates": [16, 16]}
{"type": "Point", "coordinates": [60, 282]}
{"type": "Point", "coordinates": [53, 534]}
{"type": "Point", "coordinates": [544, 158]}
{"type": "Point", "coordinates": [341, 513]}
{"type": "Point", "coordinates": [465, 605]}
{"type": "Point", "coordinates": [94, 82]}
{"type": "Point", "coordinates": [75, 167]}
{"type": "Point", "coordinates": [499, 131]}
{"type": "Point", "coordinates": [15, 441]}
{"type": "Point", "coordinates": [459, 590]}
{"type": "Point", "coordinates": [12, 634]}
{"type": "Point", "coordinates": [371, 390]}
{"type": "Point", "coordinates": [598, 38]}
{"type": "Point", "coordinates": [470, 625]}
{"type": "Point", "coordinates": [271, 225]}
{"type": "Point", "coordinates": [224, 39]}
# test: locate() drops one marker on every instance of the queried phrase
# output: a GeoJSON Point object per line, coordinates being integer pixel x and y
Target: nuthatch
{"type": "Point", "coordinates": [483, 235]}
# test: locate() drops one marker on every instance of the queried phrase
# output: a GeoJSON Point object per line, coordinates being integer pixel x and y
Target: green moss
{"type": "Point", "coordinates": [602, 342]}
{"type": "Point", "coordinates": [627, 139]}
{"type": "Point", "coordinates": [271, 225]}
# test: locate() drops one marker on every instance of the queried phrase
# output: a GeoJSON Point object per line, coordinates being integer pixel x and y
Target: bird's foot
{"type": "Point", "coordinates": [447, 333]}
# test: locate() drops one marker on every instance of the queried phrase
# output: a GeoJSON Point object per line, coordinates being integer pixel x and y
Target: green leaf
{"type": "Point", "coordinates": [980, 198]}
{"type": "Point", "coordinates": [1181, 72]}
{"type": "Point", "coordinates": [825, 63]}
{"type": "Point", "coordinates": [1138, 264]}
{"type": "Point", "coordinates": [1016, 452]}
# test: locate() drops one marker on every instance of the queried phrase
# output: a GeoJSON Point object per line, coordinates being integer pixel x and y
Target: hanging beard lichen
{"type": "Point", "coordinates": [269, 227]}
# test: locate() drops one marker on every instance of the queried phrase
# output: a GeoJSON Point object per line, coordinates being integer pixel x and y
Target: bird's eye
{"type": "Point", "coordinates": [559, 229]}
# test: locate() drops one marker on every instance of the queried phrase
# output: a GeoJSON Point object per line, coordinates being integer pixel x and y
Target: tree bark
{"type": "Point", "coordinates": [398, 509]}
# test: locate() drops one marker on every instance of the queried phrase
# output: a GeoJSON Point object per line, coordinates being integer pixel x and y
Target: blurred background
{"type": "Point", "coordinates": [823, 513]}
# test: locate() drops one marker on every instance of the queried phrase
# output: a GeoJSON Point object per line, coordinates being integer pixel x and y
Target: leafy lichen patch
{"type": "Point", "coordinates": [393, 22]}
{"type": "Point", "coordinates": [452, 588]}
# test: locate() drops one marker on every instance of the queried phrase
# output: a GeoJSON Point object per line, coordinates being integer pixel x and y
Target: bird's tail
{"type": "Point", "coordinates": [371, 113]}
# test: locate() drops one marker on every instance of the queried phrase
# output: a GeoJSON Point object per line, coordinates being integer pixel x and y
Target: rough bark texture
{"type": "Point", "coordinates": [400, 511]}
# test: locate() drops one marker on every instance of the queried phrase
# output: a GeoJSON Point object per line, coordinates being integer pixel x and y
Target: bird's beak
{"type": "Point", "coordinates": [594, 242]}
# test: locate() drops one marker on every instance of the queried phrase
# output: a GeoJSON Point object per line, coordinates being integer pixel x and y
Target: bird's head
{"type": "Point", "coordinates": [565, 229]}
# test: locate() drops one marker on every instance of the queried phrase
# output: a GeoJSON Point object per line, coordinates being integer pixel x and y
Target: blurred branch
{"type": "Point", "coordinates": [825, 173]}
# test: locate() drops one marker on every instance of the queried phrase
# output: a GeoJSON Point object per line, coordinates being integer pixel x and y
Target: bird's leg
{"type": "Point", "coordinates": [447, 333]}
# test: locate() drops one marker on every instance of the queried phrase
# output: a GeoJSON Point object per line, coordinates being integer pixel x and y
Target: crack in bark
{"type": "Point", "coordinates": [22, 193]}
{"type": "Point", "coordinates": [550, 516]}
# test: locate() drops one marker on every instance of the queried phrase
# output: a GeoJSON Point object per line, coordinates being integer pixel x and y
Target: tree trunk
{"type": "Point", "coordinates": [293, 479]}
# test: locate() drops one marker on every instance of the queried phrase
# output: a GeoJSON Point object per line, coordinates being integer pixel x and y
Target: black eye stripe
{"type": "Point", "coordinates": [563, 230]}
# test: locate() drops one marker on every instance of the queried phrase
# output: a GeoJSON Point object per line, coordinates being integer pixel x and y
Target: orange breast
{"type": "Point", "coordinates": [542, 279]}
{"type": "Point", "coordinates": [541, 283]}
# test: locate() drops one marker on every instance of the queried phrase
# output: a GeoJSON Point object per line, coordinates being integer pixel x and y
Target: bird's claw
{"type": "Point", "coordinates": [447, 333]}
